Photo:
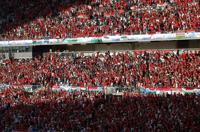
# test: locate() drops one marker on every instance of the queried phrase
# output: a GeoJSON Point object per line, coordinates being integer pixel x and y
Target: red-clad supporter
{"type": "Point", "coordinates": [69, 18]}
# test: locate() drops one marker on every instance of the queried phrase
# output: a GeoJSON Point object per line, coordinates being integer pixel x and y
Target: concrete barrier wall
{"type": "Point", "coordinates": [194, 44]}
{"type": "Point", "coordinates": [117, 46]}
{"type": "Point", "coordinates": [39, 50]}
{"type": "Point", "coordinates": [157, 45]}
{"type": "Point", "coordinates": [22, 55]}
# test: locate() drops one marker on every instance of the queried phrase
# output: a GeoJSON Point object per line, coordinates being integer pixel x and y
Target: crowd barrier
{"type": "Point", "coordinates": [161, 91]}
{"type": "Point", "coordinates": [106, 90]}
{"type": "Point", "coordinates": [28, 88]}
{"type": "Point", "coordinates": [76, 88]}
{"type": "Point", "coordinates": [105, 39]}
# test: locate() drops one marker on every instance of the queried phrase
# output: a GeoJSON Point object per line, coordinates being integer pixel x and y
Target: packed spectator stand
{"type": "Point", "coordinates": [151, 69]}
{"type": "Point", "coordinates": [51, 111]}
{"type": "Point", "coordinates": [47, 110]}
{"type": "Point", "coordinates": [62, 111]}
{"type": "Point", "coordinates": [20, 19]}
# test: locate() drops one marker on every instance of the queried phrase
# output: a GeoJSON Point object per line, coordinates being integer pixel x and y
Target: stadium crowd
{"type": "Point", "coordinates": [61, 111]}
{"type": "Point", "coordinates": [151, 69]}
{"type": "Point", "coordinates": [21, 19]}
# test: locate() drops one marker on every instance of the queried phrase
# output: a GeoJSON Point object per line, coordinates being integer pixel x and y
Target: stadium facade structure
{"type": "Point", "coordinates": [18, 51]}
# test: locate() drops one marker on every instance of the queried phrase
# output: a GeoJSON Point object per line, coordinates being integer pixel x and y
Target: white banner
{"type": "Point", "coordinates": [104, 39]}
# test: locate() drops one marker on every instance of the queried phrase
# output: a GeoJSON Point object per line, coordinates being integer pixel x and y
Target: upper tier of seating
{"type": "Point", "coordinates": [38, 19]}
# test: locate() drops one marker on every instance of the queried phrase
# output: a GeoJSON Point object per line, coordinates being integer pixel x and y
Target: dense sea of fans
{"type": "Point", "coordinates": [46, 111]}
{"type": "Point", "coordinates": [50, 111]}
{"type": "Point", "coordinates": [39, 19]}
{"type": "Point", "coordinates": [151, 69]}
